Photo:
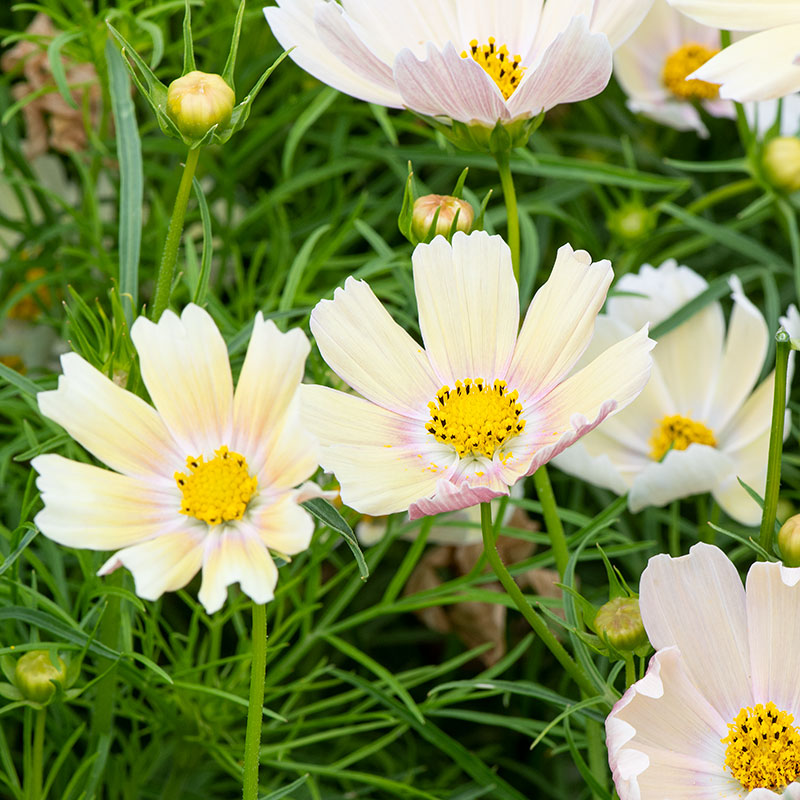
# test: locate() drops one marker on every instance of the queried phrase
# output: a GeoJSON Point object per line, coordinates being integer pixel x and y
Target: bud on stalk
{"type": "Point", "coordinates": [198, 101]}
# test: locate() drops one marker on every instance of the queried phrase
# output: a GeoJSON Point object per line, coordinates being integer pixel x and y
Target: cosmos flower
{"type": "Point", "coordinates": [717, 716]}
{"type": "Point", "coordinates": [203, 480]}
{"type": "Point", "coordinates": [483, 405]}
{"type": "Point", "coordinates": [699, 424]}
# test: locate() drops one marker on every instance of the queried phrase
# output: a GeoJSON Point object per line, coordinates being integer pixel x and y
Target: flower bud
{"type": "Point", "coordinates": [631, 222]}
{"type": "Point", "coordinates": [619, 622]}
{"type": "Point", "coordinates": [782, 163]}
{"type": "Point", "coordinates": [33, 675]}
{"type": "Point", "coordinates": [789, 541]}
{"type": "Point", "coordinates": [198, 101]}
{"type": "Point", "coordinates": [425, 209]}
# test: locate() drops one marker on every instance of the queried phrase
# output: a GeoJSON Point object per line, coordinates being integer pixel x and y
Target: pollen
{"type": "Point", "coordinates": [763, 748]}
{"type": "Point", "coordinates": [504, 70]}
{"type": "Point", "coordinates": [677, 433]}
{"type": "Point", "coordinates": [218, 490]}
{"type": "Point", "coordinates": [684, 61]}
{"type": "Point", "coordinates": [475, 418]}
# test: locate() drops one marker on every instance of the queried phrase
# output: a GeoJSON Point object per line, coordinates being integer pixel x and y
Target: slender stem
{"type": "Point", "coordinates": [775, 441]}
{"type": "Point", "coordinates": [675, 528]}
{"type": "Point", "coordinates": [534, 620]}
{"type": "Point", "coordinates": [258, 669]}
{"type": "Point", "coordinates": [34, 788]}
{"type": "Point", "coordinates": [597, 753]}
{"type": "Point", "coordinates": [630, 670]}
{"type": "Point", "coordinates": [170, 254]}
{"type": "Point", "coordinates": [555, 530]}
{"type": "Point", "coordinates": [512, 213]}
{"type": "Point", "coordinates": [722, 193]}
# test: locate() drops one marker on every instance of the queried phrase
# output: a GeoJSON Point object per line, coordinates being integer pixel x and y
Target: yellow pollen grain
{"type": "Point", "coordinates": [504, 70]}
{"type": "Point", "coordinates": [763, 748]}
{"type": "Point", "coordinates": [677, 433]}
{"type": "Point", "coordinates": [684, 61]}
{"type": "Point", "coordinates": [475, 418]}
{"type": "Point", "coordinates": [218, 490]}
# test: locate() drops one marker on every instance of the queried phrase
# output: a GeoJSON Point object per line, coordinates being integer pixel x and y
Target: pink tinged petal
{"type": "Point", "coordinates": [184, 363]}
{"type": "Point", "coordinates": [292, 24]}
{"type": "Point", "coordinates": [559, 324]}
{"type": "Point", "coordinates": [664, 737]}
{"type": "Point", "coordinates": [773, 608]}
{"type": "Point", "coordinates": [283, 526]}
{"type": "Point", "coordinates": [114, 425]}
{"type": "Point", "coordinates": [164, 564]}
{"type": "Point", "coordinates": [450, 497]}
{"type": "Point", "coordinates": [270, 376]}
{"type": "Point", "coordinates": [89, 507]}
{"type": "Point", "coordinates": [740, 15]}
{"type": "Point", "coordinates": [576, 66]}
{"type": "Point", "coordinates": [758, 67]}
{"type": "Point", "coordinates": [468, 306]}
{"type": "Point", "coordinates": [618, 19]}
{"type": "Point", "coordinates": [310, 491]}
{"type": "Point", "coordinates": [444, 84]}
{"type": "Point", "coordinates": [697, 603]}
{"type": "Point", "coordinates": [236, 555]}
{"type": "Point", "coordinates": [368, 350]}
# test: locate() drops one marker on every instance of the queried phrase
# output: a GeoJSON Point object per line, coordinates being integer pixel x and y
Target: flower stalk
{"type": "Point", "coordinates": [33, 785]}
{"type": "Point", "coordinates": [258, 669]}
{"type": "Point", "coordinates": [555, 530]}
{"type": "Point", "coordinates": [512, 211]}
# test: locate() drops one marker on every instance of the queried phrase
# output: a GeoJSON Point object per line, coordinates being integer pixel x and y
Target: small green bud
{"type": "Point", "coordinates": [631, 222]}
{"type": "Point", "coordinates": [34, 673]}
{"type": "Point", "coordinates": [425, 209]}
{"type": "Point", "coordinates": [198, 101]}
{"type": "Point", "coordinates": [619, 622]}
{"type": "Point", "coordinates": [789, 541]}
{"type": "Point", "coordinates": [782, 163]}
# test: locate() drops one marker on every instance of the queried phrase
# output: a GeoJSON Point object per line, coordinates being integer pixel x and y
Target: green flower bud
{"type": "Point", "coordinates": [789, 541]}
{"type": "Point", "coordinates": [631, 222]}
{"type": "Point", "coordinates": [34, 673]}
{"type": "Point", "coordinates": [198, 101]}
{"type": "Point", "coordinates": [425, 209]}
{"type": "Point", "coordinates": [619, 622]}
{"type": "Point", "coordinates": [782, 163]}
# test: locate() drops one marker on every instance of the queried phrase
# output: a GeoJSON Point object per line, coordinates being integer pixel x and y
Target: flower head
{"type": "Point", "coordinates": [198, 101]}
{"type": "Point", "coordinates": [698, 425]}
{"type": "Point", "coordinates": [718, 713]}
{"type": "Point", "coordinates": [204, 479]}
{"type": "Point", "coordinates": [481, 406]}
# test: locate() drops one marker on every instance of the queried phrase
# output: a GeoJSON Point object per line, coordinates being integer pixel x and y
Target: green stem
{"type": "Point", "coordinates": [722, 193]}
{"type": "Point", "coordinates": [170, 254]}
{"type": "Point", "coordinates": [775, 441]}
{"type": "Point", "coordinates": [534, 620]}
{"type": "Point", "coordinates": [674, 546]}
{"type": "Point", "coordinates": [33, 782]}
{"type": "Point", "coordinates": [258, 669]}
{"type": "Point", "coordinates": [512, 213]}
{"type": "Point", "coordinates": [630, 670]}
{"type": "Point", "coordinates": [597, 753]}
{"type": "Point", "coordinates": [555, 530]}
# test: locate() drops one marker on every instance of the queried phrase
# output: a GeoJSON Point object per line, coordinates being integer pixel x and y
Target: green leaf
{"type": "Point", "coordinates": [188, 44]}
{"type": "Point", "coordinates": [230, 63]}
{"type": "Point", "coordinates": [57, 64]}
{"type": "Point", "coordinates": [29, 536]}
{"type": "Point", "coordinates": [328, 515]}
{"type": "Point", "coordinates": [22, 383]}
{"type": "Point", "coordinates": [278, 793]}
{"type": "Point", "coordinates": [201, 289]}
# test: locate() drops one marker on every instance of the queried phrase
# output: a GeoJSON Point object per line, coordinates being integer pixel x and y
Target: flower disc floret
{"type": "Point", "coordinates": [763, 748]}
{"type": "Point", "coordinates": [676, 432]}
{"type": "Point", "coordinates": [475, 418]}
{"type": "Point", "coordinates": [683, 62]}
{"type": "Point", "coordinates": [504, 70]}
{"type": "Point", "coordinates": [218, 490]}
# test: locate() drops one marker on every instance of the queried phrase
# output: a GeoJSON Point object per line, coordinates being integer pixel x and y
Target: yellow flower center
{"type": "Point", "coordinates": [684, 61]}
{"type": "Point", "coordinates": [504, 70]}
{"type": "Point", "coordinates": [218, 490]}
{"type": "Point", "coordinates": [763, 748]}
{"type": "Point", "coordinates": [677, 433]}
{"type": "Point", "coordinates": [475, 418]}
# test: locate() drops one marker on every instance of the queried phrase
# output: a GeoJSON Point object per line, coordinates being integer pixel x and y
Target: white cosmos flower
{"type": "Point", "coordinates": [717, 715]}
{"type": "Point", "coordinates": [698, 424]}
{"type": "Point", "coordinates": [481, 406]}
{"type": "Point", "coordinates": [653, 64]}
{"type": "Point", "coordinates": [760, 66]}
{"type": "Point", "coordinates": [418, 53]}
{"type": "Point", "coordinates": [203, 480]}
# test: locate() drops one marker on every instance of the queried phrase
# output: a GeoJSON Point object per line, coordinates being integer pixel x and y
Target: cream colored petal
{"type": "Point", "coordinates": [618, 19]}
{"type": "Point", "coordinates": [751, 420]}
{"type": "Point", "coordinates": [749, 464]}
{"type": "Point", "coordinates": [559, 323]}
{"type": "Point", "coordinates": [757, 67]}
{"type": "Point", "coordinates": [740, 15]}
{"type": "Point", "coordinates": [468, 306]}
{"type": "Point", "coordinates": [283, 526]}
{"type": "Point", "coordinates": [664, 737]}
{"type": "Point", "coordinates": [114, 425]}
{"type": "Point", "coordinates": [602, 469]}
{"type": "Point", "coordinates": [164, 564]}
{"type": "Point", "coordinates": [94, 508]}
{"type": "Point", "coordinates": [271, 373]}
{"type": "Point", "coordinates": [371, 352]}
{"type": "Point", "coordinates": [697, 603]}
{"type": "Point", "coordinates": [236, 555]}
{"type": "Point", "coordinates": [184, 363]}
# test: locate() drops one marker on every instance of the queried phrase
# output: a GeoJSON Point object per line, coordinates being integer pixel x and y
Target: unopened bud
{"type": "Point", "coordinates": [789, 541]}
{"type": "Point", "coordinates": [782, 163]}
{"type": "Point", "coordinates": [425, 209]}
{"type": "Point", "coordinates": [34, 673]}
{"type": "Point", "coordinates": [198, 101]}
{"type": "Point", "coordinates": [619, 622]}
{"type": "Point", "coordinates": [631, 222]}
